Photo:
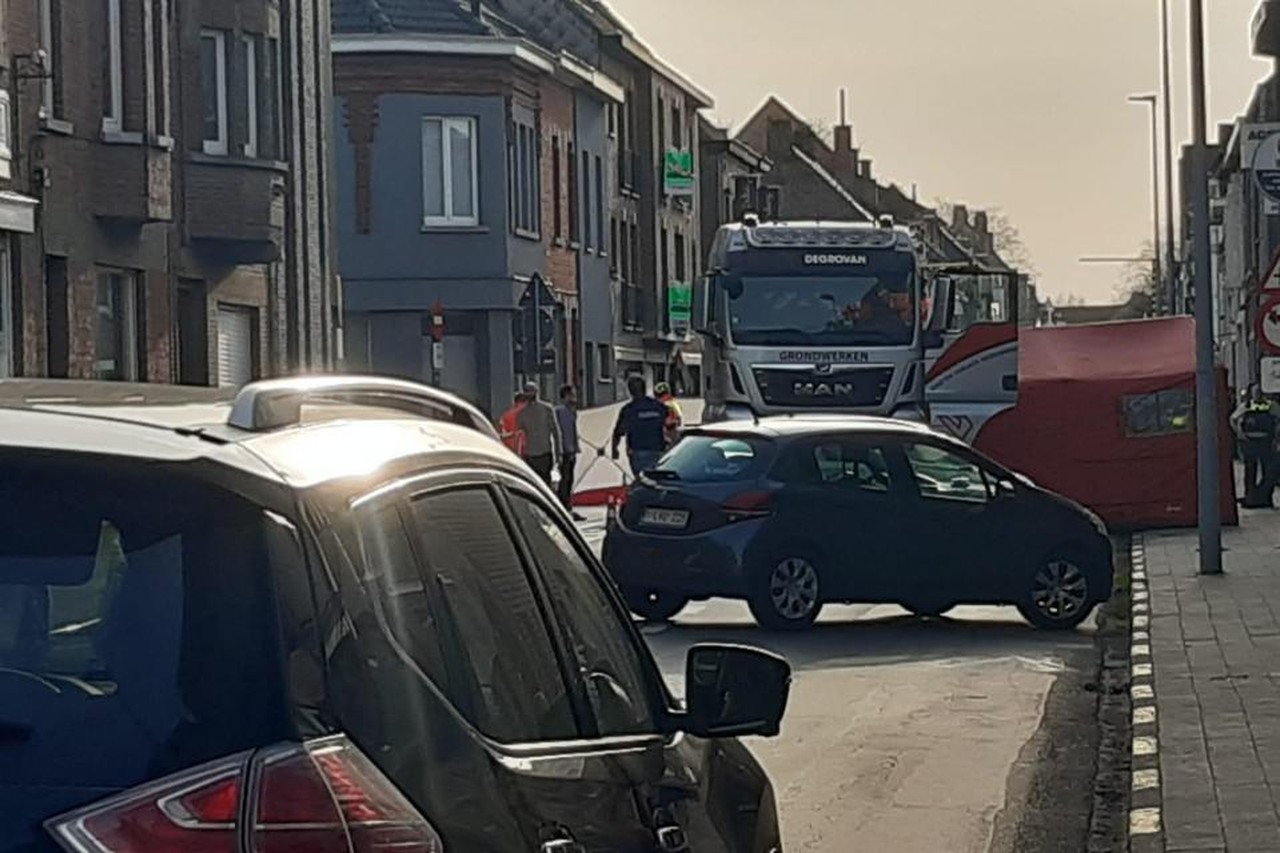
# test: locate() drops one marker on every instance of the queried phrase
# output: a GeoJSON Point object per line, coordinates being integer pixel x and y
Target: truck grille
{"type": "Point", "coordinates": [862, 388]}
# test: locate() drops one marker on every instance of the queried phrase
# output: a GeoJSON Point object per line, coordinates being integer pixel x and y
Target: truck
{"type": "Point", "coordinates": [853, 318]}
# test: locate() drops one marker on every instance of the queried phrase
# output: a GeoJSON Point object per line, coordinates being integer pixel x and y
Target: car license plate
{"type": "Point", "coordinates": [672, 518]}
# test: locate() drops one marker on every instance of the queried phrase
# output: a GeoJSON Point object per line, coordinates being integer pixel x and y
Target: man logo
{"type": "Point", "coordinates": [832, 390]}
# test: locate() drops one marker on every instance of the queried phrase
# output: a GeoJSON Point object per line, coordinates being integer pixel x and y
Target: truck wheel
{"type": "Point", "coordinates": [788, 593]}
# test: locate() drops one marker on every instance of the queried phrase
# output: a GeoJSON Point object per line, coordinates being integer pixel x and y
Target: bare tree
{"type": "Point", "coordinates": [1007, 238]}
{"type": "Point", "coordinates": [1138, 285]}
{"type": "Point", "coordinates": [822, 129]}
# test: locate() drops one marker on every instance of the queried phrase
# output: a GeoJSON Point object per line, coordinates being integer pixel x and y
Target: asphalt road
{"type": "Point", "coordinates": [906, 734]}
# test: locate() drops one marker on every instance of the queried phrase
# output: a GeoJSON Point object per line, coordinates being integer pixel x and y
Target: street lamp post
{"type": "Point", "coordinates": [1207, 473]}
{"type": "Point", "coordinates": [1151, 101]}
{"type": "Point", "coordinates": [1170, 266]}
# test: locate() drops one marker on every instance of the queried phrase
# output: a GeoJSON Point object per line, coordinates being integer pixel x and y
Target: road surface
{"type": "Point", "coordinates": [905, 734]}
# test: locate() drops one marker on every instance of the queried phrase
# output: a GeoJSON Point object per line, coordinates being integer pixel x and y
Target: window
{"type": "Point", "coordinates": [213, 87]}
{"type": "Point", "coordinates": [250, 45]}
{"type": "Point", "coordinates": [8, 340]}
{"type": "Point", "coordinates": [6, 150]}
{"type": "Point", "coordinates": [613, 246]}
{"type": "Point", "coordinates": [557, 191]}
{"type": "Point", "coordinates": [159, 33]}
{"type": "Point", "coordinates": [449, 171]}
{"type": "Point", "coordinates": [113, 97]}
{"type": "Point", "coordinates": [526, 198]}
{"type": "Point", "coordinates": [681, 258]}
{"type": "Point", "coordinates": [513, 690]}
{"type": "Point", "coordinates": [272, 112]}
{"type": "Point", "coordinates": [843, 463]}
{"type": "Point", "coordinates": [635, 254]}
{"type": "Point", "coordinates": [599, 204]}
{"type": "Point", "coordinates": [1162, 413]}
{"type": "Point", "coordinates": [140, 595]}
{"type": "Point", "coordinates": [51, 43]}
{"type": "Point", "coordinates": [608, 659]}
{"type": "Point", "coordinates": [116, 352]}
{"type": "Point", "coordinates": [573, 196]}
{"type": "Point", "coordinates": [677, 134]}
{"type": "Point", "coordinates": [604, 363]}
{"type": "Point", "coordinates": [943, 475]}
{"type": "Point", "coordinates": [398, 593]}
{"type": "Point", "coordinates": [612, 112]}
{"type": "Point", "coordinates": [715, 459]}
{"type": "Point", "coordinates": [588, 228]}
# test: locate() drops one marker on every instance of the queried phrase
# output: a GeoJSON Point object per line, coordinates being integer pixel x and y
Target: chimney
{"type": "Point", "coordinates": [864, 169]}
{"type": "Point", "coordinates": [980, 222]}
{"type": "Point", "coordinates": [960, 216]}
{"type": "Point", "coordinates": [846, 156]}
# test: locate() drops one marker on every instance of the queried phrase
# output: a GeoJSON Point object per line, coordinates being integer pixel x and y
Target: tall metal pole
{"type": "Point", "coordinates": [1207, 450]}
{"type": "Point", "coordinates": [1166, 93]}
{"type": "Point", "coordinates": [1150, 101]}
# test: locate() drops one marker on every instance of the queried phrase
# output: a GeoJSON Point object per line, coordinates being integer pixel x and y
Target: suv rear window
{"type": "Point", "coordinates": [716, 458]}
{"type": "Point", "coordinates": [137, 633]}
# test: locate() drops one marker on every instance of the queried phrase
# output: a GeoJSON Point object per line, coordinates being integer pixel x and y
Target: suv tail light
{"type": "Point", "coordinates": [755, 504]}
{"type": "Point", "coordinates": [323, 796]}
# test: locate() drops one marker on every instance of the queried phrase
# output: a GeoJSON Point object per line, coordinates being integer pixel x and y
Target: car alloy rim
{"type": "Point", "coordinates": [1060, 589]}
{"type": "Point", "coordinates": [793, 588]}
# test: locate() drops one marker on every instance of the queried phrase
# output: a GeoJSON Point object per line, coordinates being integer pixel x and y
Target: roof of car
{"type": "Point", "coordinates": [178, 424]}
{"type": "Point", "coordinates": [813, 424]}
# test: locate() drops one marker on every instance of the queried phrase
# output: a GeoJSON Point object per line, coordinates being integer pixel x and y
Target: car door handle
{"type": "Point", "coordinates": [562, 845]}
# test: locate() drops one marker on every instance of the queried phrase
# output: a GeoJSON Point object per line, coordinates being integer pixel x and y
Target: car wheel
{"type": "Point", "coordinates": [788, 594]}
{"type": "Point", "coordinates": [928, 607]}
{"type": "Point", "coordinates": [1059, 594]}
{"type": "Point", "coordinates": [655, 605]}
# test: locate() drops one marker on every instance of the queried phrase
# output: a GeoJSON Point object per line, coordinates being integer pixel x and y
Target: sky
{"type": "Point", "coordinates": [1012, 104]}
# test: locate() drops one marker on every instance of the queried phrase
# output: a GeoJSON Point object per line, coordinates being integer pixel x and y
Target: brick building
{"type": "Point", "coordinates": [167, 189]}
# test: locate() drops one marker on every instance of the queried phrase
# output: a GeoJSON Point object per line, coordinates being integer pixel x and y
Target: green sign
{"type": "Point", "coordinates": [679, 305]}
{"type": "Point", "coordinates": [677, 173]}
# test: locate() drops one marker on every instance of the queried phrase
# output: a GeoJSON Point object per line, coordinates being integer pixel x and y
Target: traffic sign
{"type": "Point", "coordinates": [1266, 165]}
{"type": "Point", "coordinates": [1269, 326]}
{"type": "Point", "coordinates": [1271, 281]}
{"type": "Point", "coordinates": [1270, 375]}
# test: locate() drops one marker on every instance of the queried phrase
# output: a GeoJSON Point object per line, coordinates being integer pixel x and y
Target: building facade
{"type": "Point", "coordinates": [167, 190]}
{"type": "Point", "coordinates": [473, 181]}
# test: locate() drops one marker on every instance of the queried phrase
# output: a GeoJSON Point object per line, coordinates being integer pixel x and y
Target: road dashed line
{"type": "Point", "coordinates": [1144, 811]}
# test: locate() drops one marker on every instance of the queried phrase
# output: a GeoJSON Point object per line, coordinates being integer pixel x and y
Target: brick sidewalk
{"type": "Point", "coordinates": [1206, 692]}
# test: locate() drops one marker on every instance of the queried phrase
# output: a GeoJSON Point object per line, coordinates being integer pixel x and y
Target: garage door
{"type": "Point", "coordinates": [235, 345]}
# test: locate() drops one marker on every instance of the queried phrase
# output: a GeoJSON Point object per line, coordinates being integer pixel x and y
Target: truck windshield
{"type": "Point", "coordinates": [865, 310]}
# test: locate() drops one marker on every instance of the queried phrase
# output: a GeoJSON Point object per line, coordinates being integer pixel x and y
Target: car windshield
{"type": "Point", "coordinates": [862, 310]}
{"type": "Point", "coordinates": [713, 459]}
{"type": "Point", "coordinates": [136, 631]}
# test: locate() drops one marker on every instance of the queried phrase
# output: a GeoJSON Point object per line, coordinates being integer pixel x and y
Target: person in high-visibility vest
{"type": "Point", "coordinates": [509, 426]}
{"type": "Point", "coordinates": [675, 418]}
{"type": "Point", "coordinates": [1256, 424]}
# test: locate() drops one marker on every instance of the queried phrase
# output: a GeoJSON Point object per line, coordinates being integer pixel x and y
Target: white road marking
{"type": "Point", "coordinates": [1144, 821]}
{"type": "Point", "coordinates": [1145, 780]}
{"type": "Point", "coordinates": [1144, 746]}
{"type": "Point", "coordinates": [1144, 715]}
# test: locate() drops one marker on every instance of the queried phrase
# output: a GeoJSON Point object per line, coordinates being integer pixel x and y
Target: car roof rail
{"type": "Point", "coordinates": [272, 404]}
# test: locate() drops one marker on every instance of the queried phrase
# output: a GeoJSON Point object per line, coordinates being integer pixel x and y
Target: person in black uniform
{"type": "Point", "coordinates": [641, 423]}
{"type": "Point", "coordinates": [1255, 424]}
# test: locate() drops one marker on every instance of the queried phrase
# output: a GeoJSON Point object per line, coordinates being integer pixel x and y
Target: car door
{"type": "Point", "coordinates": [845, 498]}
{"type": "Point", "coordinates": [962, 525]}
{"type": "Point", "coordinates": [688, 793]}
{"type": "Point", "coordinates": [508, 675]}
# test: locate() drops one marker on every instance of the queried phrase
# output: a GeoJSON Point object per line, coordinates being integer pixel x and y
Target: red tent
{"type": "Point", "coordinates": [1106, 416]}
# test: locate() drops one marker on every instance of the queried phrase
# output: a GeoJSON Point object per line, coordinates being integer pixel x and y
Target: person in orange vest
{"type": "Point", "coordinates": [670, 427]}
{"type": "Point", "coordinates": [509, 426]}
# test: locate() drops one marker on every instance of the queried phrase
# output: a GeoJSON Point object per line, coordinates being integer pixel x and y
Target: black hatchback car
{"type": "Point", "coordinates": [335, 616]}
{"type": "Point", "coordinates": [790, 513]}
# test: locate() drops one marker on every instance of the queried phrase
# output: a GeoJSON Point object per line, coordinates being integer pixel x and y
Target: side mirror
{"type": "Point", "coordinates": [932, 339]}
{"type": "Point", "coordinates": [735, 690]}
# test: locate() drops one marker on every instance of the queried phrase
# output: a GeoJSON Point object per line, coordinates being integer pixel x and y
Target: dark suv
{"type": "Point", "coordinates": [792, 512]}
{"type": "Point", "coordinates": [335, 615]}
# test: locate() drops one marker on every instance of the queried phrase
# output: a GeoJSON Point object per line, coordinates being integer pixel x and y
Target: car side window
{"type": "Point", "coordinates": [946, 476]}
{"type": "Point", "coordinates": [610, 661]}
{"type": "Point", "coordinates": [852, 464]}
{"type": "Point", "coordinates": [513, 690]}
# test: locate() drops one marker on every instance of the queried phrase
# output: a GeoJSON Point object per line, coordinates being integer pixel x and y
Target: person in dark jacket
{"type": "Point", "coordinates": [642, 423]}
{"type": "Point", "coordinates": [1256, 424]}
{"type": "Point", "coordinates": [567, 418]}
{"type": "Point", "coordinates": [537, 420]}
